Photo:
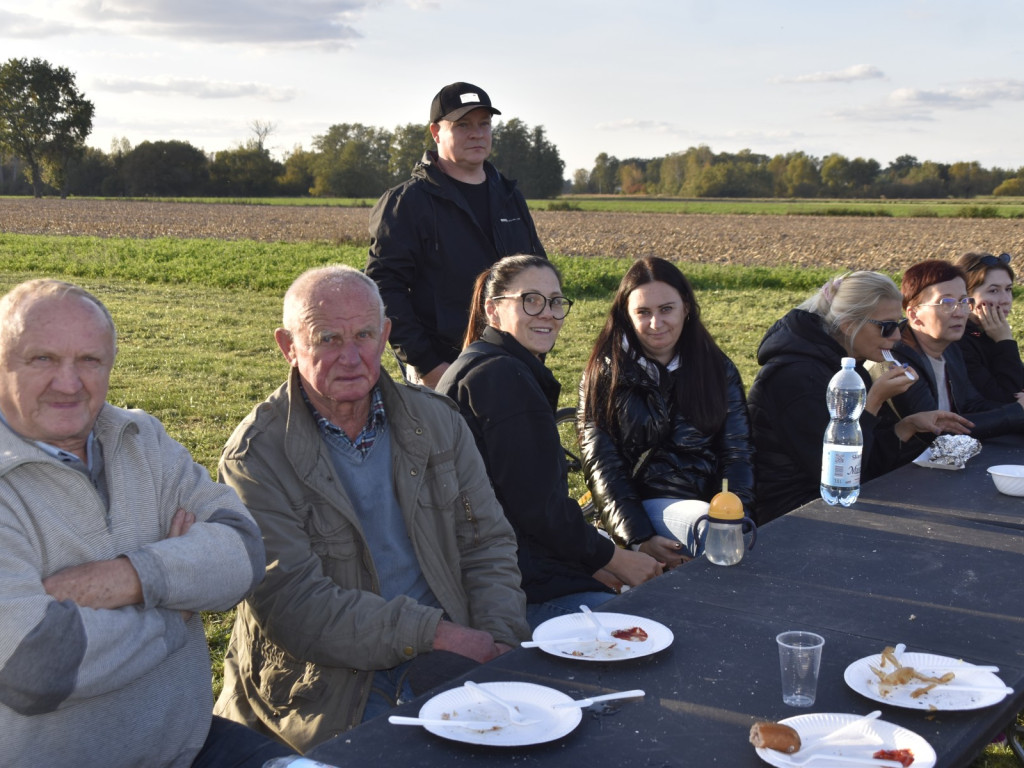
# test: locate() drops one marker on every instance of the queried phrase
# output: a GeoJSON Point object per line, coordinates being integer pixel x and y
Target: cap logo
{"type": "Point", "coordinates": [469, 98]}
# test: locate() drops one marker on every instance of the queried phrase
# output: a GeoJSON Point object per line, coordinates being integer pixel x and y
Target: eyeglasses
{"type": "Point", "coordinates": [889, 327]}
{"type": "Point", "coordinates": [988, 260]}
{"type": "Point", "coordinates": [947, 305]}
{"type": "Point", "coordinates": [534, 303]}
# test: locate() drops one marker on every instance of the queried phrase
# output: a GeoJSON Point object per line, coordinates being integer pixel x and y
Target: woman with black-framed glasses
{"type": "Point", "coordinates": [508, 397]}
{"type": "Point", "coordinates": [990, 351]}
{"type": "Point", "coordinates": [857, 315]}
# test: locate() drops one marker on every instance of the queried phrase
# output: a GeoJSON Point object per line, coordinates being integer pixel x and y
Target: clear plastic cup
{"type": "Point", "coordinates": [799, 660]}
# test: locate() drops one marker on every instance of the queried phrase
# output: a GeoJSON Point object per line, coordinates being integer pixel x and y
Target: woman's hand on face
{"type": "Point", "coordinates": [633, 568]}
{"type": "Point", "coordinates": [891, 383]}
{"type": "Point", "coordinates": [668, 551]}
{"type": "Point", "coordinates": [993, 322]}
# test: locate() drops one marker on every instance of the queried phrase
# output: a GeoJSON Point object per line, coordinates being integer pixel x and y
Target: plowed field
{"type": "Point", "coordinates": [888, 244]}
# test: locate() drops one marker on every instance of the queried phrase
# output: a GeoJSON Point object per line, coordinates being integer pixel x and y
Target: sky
{"type": "Point", "coordinates": [941, 80]}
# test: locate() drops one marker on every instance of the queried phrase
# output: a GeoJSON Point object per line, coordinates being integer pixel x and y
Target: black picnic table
{"type": "Point", "coordinates": [928, 557]}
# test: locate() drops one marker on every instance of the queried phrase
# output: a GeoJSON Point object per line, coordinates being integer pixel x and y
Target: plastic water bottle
{"type": "Point", "coordinates": [843, 443]}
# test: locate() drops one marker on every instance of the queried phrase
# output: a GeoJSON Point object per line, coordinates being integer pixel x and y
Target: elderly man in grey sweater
{"type": "Point", "coordinates": [111, 541]}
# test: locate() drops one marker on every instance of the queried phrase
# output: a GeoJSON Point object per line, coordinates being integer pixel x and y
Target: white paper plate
{"type": "Point", "coordinates": [863, 741]}
{"type": "Point", "coordinates": [946, 697]}
{"type": "Point", "coordinates": [659, 637]}
{"type": "Point", "coordinates": [534, 702]}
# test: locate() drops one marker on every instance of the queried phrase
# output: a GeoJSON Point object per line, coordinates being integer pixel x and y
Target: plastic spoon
{"type": "Point", "coordinates": [594, 699]}
{"type": "Point", "coordinates": [514, 715]}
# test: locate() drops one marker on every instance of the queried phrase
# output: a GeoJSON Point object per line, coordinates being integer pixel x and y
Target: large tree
{"type": "Point", "coordinates": [44, 118]}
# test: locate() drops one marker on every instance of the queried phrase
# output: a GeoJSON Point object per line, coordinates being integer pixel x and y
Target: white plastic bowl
{"type": "Point", "coordinates": [1009, 478]}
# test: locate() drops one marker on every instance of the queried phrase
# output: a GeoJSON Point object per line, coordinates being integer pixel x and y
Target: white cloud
{"type": "Point", "coordinates": [631, 124]}
{"type": "Point", "coordinates": [848, 75]}
{"type": "Point", "coordinates": [200, 89]}
{"type": "Point", "coordinates": [323, 23]}
{"type": "Point", "coordinates": [917, 105]}
{"type": "Point", "coordinates": [24, 26]}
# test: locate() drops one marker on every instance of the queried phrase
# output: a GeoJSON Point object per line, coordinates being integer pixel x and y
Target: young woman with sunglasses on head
{"type": "Point", "coordinates": [663, 417]}
{"type": "Point", "coordinates": [857, 315]}
{"type": "Point", "coordinates": [938, 307]}
{"type": "Point", "coordinates": [509, 398]}
{"type": "Point", "coordinates": [989, 349]}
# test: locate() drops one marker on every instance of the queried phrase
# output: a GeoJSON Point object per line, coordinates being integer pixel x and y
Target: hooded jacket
{"type": "Point", "coordinates": [655, 453]}
{"type": "Point", "coordinates": [788, 415]}
{"type": "Point", "coordinates": [426, 249]}
{"type": "Point", "coordinates": [509, 397]}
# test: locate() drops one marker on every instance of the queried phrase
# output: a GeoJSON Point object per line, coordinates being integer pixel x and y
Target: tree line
{"type": "Point", "coordinates": [45, 120]}
{"type": "Point", "coordinates": [700, 172]}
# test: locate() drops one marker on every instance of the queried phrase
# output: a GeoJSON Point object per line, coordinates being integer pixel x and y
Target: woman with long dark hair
{"type": "Point", "coordinates": [509, 397]}
{"type": "Point", "coordinates": [663, 419]}
{"type": "Point", "coordinates": [989, 349]}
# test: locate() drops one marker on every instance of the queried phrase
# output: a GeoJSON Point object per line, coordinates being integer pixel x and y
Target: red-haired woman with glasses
{"type": "Point", "coordinates": [938, 307]}
{"type": "Point", "coordinates": [509, 397]}
{"type": "Point", "coordinates": [989, 349]}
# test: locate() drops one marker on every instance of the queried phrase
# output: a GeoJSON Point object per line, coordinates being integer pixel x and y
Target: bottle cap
{"type": "Point", "coordinates": [849, 362]}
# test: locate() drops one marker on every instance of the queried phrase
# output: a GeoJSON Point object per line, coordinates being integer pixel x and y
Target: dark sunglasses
{"type": "Point", "coordinates": [889, 327]}
{"type": "Point", "coordinates": [988, 260]}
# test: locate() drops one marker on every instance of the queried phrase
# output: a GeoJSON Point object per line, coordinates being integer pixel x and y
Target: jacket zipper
{"type": "Point", "coordinates": [471, 518]}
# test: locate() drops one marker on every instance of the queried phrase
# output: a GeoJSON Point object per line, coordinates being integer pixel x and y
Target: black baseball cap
{"type": "Point", "coordinates": [455, 100]}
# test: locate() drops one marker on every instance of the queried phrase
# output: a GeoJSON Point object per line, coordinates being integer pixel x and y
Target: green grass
{"type": "Point", "coordinates": [196, 321]}
{"type": "Point", "coordinates": [982, 207]}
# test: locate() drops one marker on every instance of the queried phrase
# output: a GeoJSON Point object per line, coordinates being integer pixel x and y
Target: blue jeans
{"type": "Point", "coordinates": [232, 745]}
{"type": "Point", "coordinates": [389, 689]}
{"type": "Point", "coordinates": [538, 613]}
{"type": "Point", "coordinates": [676, 519]}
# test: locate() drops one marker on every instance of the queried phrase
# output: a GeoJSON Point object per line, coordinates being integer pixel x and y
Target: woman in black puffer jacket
{"type": "Point", "coordinates": [663, 418]}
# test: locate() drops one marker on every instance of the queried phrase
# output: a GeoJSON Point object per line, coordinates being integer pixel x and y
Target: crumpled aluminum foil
{"type": "Point", "coordinates": [954, 450]}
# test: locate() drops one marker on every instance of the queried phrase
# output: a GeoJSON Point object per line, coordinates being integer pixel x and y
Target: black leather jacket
{"type": "Point", "coordinates": [654, 453]}
{"type": "Point", "coordinates": [426, 249]}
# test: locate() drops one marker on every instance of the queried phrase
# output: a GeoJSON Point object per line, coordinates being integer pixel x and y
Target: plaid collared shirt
{"type": "Point", "coordinates": [375, 421]}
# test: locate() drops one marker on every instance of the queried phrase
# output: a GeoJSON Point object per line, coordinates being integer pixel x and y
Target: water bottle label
{"type": "Point", "coordinates": [840, 466]}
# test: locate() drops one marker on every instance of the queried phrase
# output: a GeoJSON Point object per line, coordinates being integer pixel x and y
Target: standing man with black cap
{"type": "Point", "coordinates": [432, 235]}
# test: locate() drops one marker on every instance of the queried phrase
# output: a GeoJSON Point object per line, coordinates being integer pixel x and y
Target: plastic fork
{"type": "Point", "coordinates": [514, 715]}
{"type": "Point", "coordinates": [603, 635]}
{"type": "Point", "coordinates": [906, 371]}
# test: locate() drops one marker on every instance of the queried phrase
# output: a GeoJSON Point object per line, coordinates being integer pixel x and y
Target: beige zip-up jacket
{"type": "Point", "coordinates": [306, 643]}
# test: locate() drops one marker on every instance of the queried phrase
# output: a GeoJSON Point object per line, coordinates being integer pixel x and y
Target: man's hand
{"type": "Point", "coordinates": [101, 584]}
{"type": "Point", "coordinates": [109, 584]}
{"type": "Point", "coordinates": [472, 643]}
{"type": "Point", "coordinates": [993, 322]}
{"type": "Point", "coordinates": [431, 377]}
